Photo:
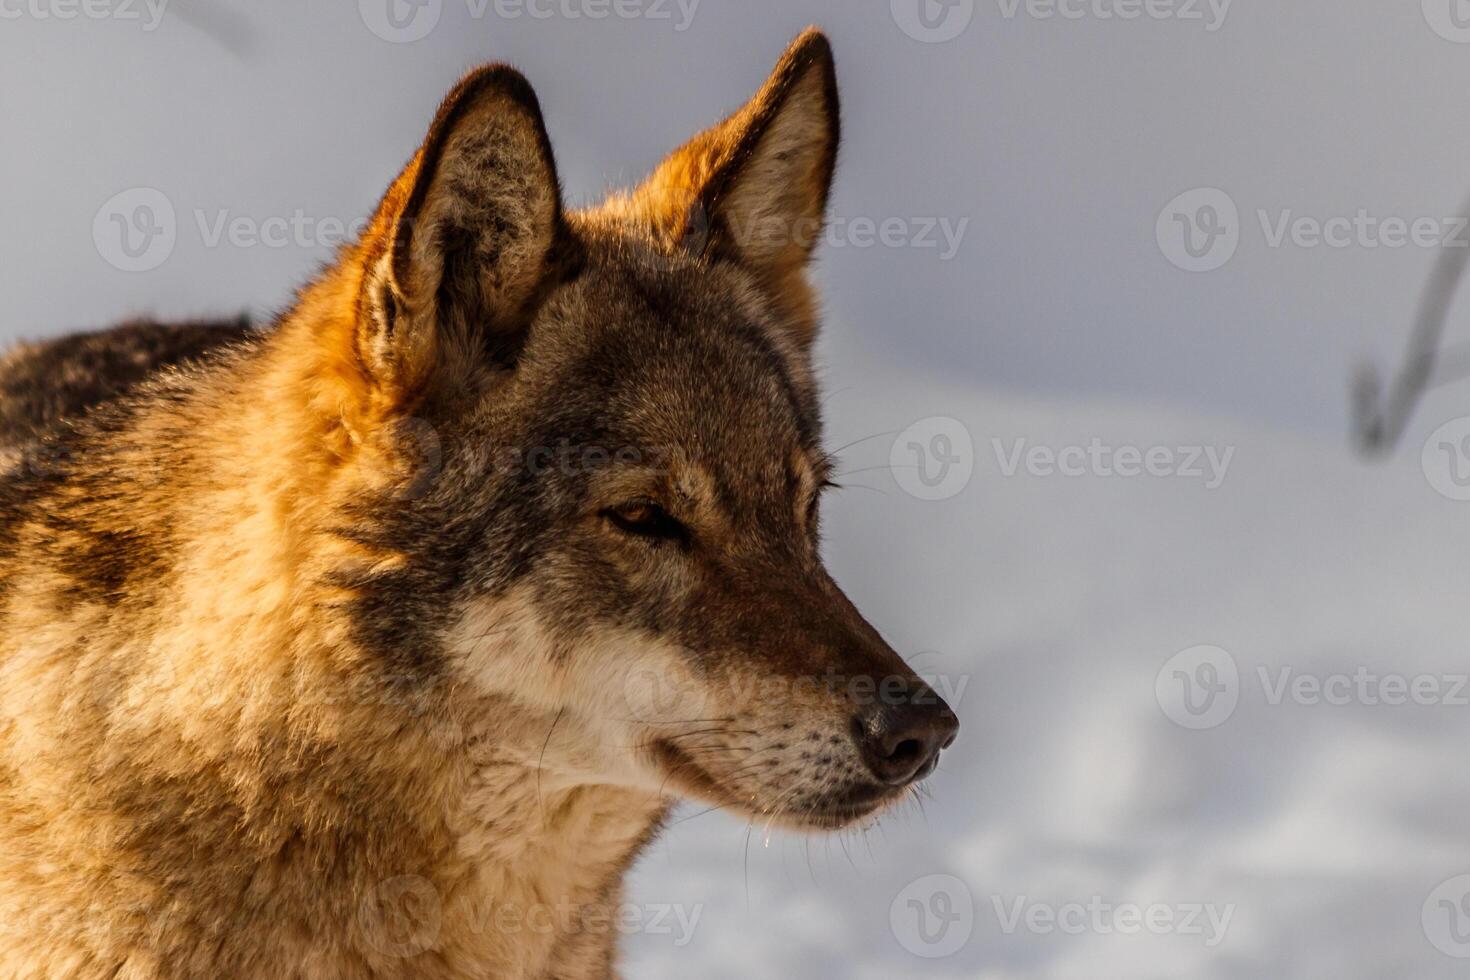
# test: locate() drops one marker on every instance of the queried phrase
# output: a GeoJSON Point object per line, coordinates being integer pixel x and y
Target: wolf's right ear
{"type": "Point", "coordinates": [466, 242]}
{"type": "Point", "coordinates": [753, 190]}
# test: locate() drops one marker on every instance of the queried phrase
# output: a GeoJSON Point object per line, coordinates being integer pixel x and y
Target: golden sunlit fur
{"type": "Point", "coordinates": [318, 662]}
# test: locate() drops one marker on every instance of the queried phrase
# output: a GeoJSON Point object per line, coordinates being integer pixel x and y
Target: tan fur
{"type": "Point", "coordinates": [756, 185]}
{"type": "Point", "coordinates": [207, 770]}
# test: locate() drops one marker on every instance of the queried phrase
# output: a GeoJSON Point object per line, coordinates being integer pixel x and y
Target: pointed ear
{"type": "Point", "coordinates": [466, 242]}
{"type": "Point", "coordinates": [754, 189]}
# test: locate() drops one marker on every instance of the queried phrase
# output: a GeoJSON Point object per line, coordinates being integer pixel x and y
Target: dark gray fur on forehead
{"type": "Point", "coordinates": [654, 333]}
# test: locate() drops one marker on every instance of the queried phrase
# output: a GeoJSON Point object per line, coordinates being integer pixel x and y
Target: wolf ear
{"type": "Point", "coordinates": [466, 241]}
{"type": "Point", "coordinates": [754, 189]}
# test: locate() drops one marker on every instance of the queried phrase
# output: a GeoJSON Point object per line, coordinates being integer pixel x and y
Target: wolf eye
{"type": "Point", "coordinates": [813, 506]}
{"type": "Point", "coordinates": [646, 520]}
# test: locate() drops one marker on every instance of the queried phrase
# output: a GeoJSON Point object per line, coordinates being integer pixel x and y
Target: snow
{"type": "Point", "coordinates": [1313, 831]}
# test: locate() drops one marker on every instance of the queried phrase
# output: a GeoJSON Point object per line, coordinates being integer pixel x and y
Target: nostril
{"type": "Point", "coordinates": [905, 752]}
{"type": "Point", "coordinates": [901, 742]}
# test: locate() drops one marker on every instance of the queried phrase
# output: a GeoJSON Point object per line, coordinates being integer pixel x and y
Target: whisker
{"type": "Point", "coordinates": [690, 721]}
{"type": "Point", "coordinates": [875, 435]}
{"type": "Point", "coordinates": [874, 469]}
{"type": "Point", "coordinates": [541, 800]}
{"type": "Point", "coordinates": [700, 813]}
{"type": "Point", "coordinates": [859, 486]}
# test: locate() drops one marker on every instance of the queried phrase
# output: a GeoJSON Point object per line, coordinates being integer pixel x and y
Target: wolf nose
{"type": "Point", "coordinates": [901, 742]}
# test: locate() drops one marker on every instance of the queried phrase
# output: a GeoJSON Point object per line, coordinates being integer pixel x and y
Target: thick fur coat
{"type": "Point", "coordinates": [376, 642]}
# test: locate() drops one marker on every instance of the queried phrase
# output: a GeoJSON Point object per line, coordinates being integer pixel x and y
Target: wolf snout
{"type": "Point", "coordinates": [901, 738]}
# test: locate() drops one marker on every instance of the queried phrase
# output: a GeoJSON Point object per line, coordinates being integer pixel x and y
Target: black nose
{"type": "Point", "coordinates": [901, 738]}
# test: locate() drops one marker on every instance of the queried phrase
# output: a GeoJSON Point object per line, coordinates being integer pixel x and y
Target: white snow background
{"type": "Point", "coordinates": [1320, 829]}
{"type": "Point", "coordinates": [1333, 834]}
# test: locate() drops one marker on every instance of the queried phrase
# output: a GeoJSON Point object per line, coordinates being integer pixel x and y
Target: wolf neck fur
{"type": "Point", "coordinates": [465, 810]}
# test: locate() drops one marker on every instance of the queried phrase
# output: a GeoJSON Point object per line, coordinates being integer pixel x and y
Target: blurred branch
{"type": "Point", "coordinates": [230, 28]}
{"type": "Point", "coordinates": [1380, 421]}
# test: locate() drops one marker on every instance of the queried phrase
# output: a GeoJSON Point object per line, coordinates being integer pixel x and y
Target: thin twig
{"type": "Point", "coordinates": [1379, 421]}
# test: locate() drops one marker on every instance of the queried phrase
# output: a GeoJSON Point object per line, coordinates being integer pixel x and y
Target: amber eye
{"type": "Point", "coordinates": [645, 519]}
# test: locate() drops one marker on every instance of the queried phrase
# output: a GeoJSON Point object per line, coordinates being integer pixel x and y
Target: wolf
{"type": "Point", "coordinates": [379, 641]}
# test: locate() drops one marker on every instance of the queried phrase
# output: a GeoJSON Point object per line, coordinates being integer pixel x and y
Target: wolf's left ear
{"type": "Point", "coordinates": [467, 240]}
{"type": "Point", "coordinates": [754, 189]}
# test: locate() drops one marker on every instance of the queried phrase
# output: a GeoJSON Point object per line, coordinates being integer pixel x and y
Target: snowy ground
{"type": "Point", "coordinates": [1084, 834]}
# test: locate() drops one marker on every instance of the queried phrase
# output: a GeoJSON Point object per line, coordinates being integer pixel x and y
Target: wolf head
{"type": "Point", "coordinates": [587, 455]}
